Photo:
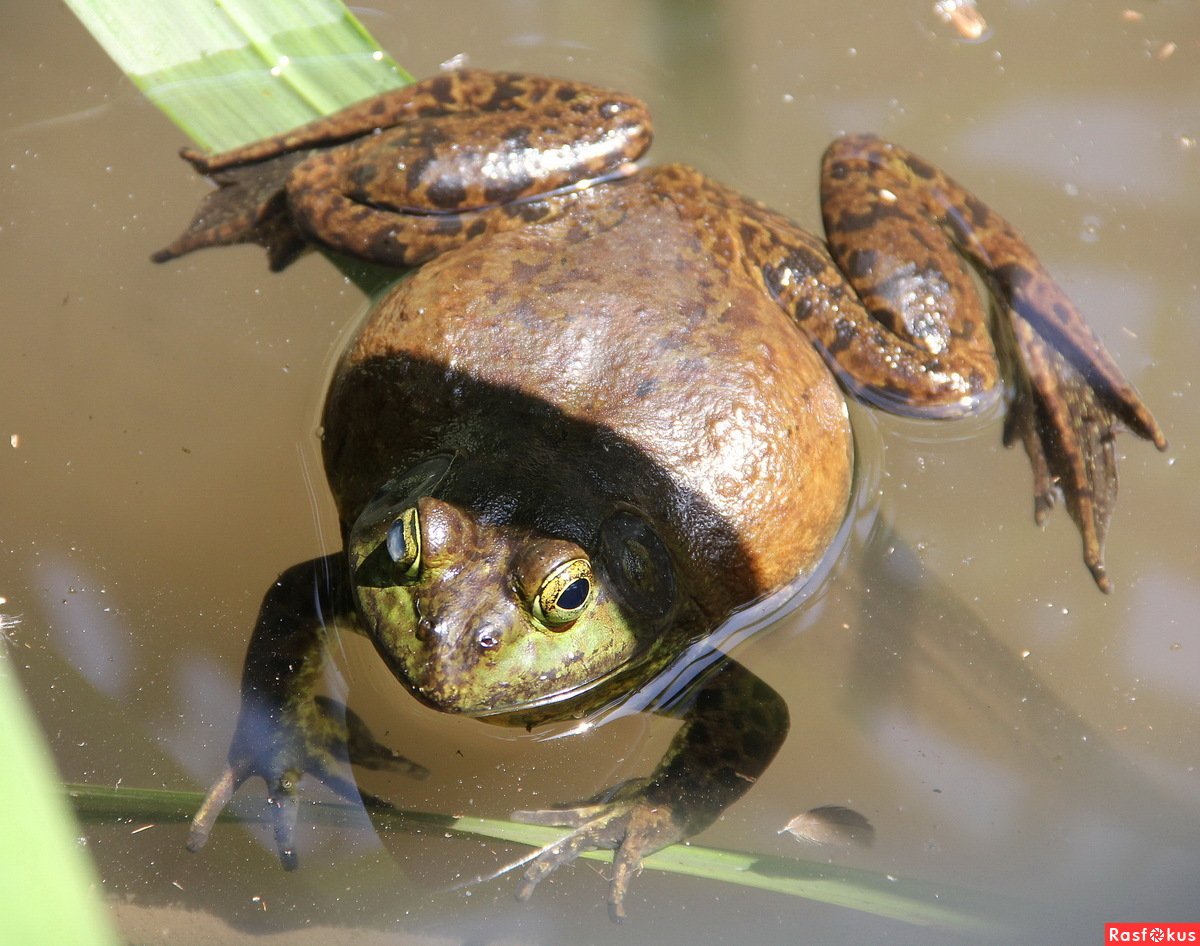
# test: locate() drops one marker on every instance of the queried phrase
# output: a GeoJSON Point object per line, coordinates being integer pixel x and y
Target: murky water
{"type": "Point", "coordinates": [1007, 728]}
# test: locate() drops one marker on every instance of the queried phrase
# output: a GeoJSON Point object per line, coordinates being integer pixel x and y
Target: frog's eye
{"type": "Point", "coordinates": [565, 594]}
{"type": "Point", "coordinates": [404, 543]}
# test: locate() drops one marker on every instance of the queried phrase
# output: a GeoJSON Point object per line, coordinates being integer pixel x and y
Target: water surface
{"type": "Point", "coordinates": [958, 679]}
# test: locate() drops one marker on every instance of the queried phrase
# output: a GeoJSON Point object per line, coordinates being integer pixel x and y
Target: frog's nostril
{"type": "Point", "coordinates": [488, 637]}
{"type": "Point", "coordinates": [422, 626]}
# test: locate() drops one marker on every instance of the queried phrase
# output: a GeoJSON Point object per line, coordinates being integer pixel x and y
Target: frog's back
{"type": "Point", "coordinates": [616, 315]}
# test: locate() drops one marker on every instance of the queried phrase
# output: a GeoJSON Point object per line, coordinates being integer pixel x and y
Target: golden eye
{"type": "Point", "coordinates": [404, 543]}
{"type": "Point", "coordinates": [565, 594]}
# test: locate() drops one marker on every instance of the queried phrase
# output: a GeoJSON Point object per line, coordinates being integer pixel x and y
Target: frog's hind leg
{"type": "Point", "coordinates": [402, 176]}
{"type": "Point", "coordinates": [464, 91]}
{"type": "Point", "coordinates": [326, 215]}
{"type": "Point", "coordinates": [932, 358]}
{"type": "Point", "coordinates": [891, 220]}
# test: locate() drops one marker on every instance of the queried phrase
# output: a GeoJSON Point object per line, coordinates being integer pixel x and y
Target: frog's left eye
{"type": "Point", "coordinates": [565, 594]}
{"type": "Point", "coordinates": [404, 543]}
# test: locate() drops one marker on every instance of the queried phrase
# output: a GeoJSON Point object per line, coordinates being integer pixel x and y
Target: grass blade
{"type": "Point", "coordinates": [910, 901]}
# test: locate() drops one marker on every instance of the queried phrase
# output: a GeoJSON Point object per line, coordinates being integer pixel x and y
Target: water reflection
{"type": "Point", "coordinates": [91, 631]}
{"type": "Point", "coordinates": [962, 718]}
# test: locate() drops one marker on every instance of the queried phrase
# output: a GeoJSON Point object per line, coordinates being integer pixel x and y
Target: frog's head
{"type": "Point", "coordinates": [481, 615]}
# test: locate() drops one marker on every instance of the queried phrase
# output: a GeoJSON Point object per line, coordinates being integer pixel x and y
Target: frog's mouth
{"type": "Point", "coordinates": [595, 691]}
{"type": "Point", "coordinates": [515, 694]}
{"type": "Point", "coordinates": [504, 702]}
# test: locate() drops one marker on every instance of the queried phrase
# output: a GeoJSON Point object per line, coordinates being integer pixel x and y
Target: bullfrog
{"type": "Point", "coordinates": [607, 411]}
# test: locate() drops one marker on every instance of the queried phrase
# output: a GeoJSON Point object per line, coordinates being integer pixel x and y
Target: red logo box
{"type": "Point", "coordinates": [1152, 932]}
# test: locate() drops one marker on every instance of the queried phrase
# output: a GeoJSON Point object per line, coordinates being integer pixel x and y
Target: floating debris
{"type": "Point", "coordinates": [831, 824]}
{"type": "Point", "coordinates": [964, 18]}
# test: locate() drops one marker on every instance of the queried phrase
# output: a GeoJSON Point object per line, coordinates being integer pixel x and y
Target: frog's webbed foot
{"type": "Point", "coordinates": [1067, 396]}
{"type": "Point", "coordinates": [319, 739]}
{"type": "Point", "coordinates": [248, 206]}
{"type": "Point", "coordinates": [623, 820]}
{"type": "Point", "coordinates": [279, 747]}
{"type": "Point", "coordinates": [281, 795]}
{"type": "Point", "coordinates": [1066, 413]}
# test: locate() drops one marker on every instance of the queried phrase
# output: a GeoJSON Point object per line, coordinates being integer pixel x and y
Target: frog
{"type": "Point", "coordinates": [605, 412]}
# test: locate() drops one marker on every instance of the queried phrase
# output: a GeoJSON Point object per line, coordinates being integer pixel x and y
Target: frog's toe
{"type": "Point", "coordinates": [198, 159]}
{"type": "Point", "coordinates": [214, 803]}
{"type": "Point", "coordinates": [553, 857]}
{"type": "Point", "coordinates": [285, 809]}
{"type": "Point", "coordinates": [626, 865]}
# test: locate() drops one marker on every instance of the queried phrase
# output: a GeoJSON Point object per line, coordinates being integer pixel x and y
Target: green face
{"type": "Point", "coordinates": [483, 618]}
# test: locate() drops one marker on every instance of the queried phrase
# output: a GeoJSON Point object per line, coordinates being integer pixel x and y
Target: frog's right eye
{"type": "Point", "coordinates": [404, 543]}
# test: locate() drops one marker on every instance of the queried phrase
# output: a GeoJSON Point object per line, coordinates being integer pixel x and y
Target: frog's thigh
{"type": "Point", "coordinates": [885, 232]}
{"type": "Point", "coordinates": [466, 90]}
{"type": "Point", "coordinates": [324, 213]}
{"type": "Point", "coordinates": [942, 366]}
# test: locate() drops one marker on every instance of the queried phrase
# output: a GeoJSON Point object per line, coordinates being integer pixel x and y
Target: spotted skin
{"type": "Point", "coordinates": [1069, 397]}
{"type": "Point", "coordinates": [457, 155]}
{"type": "Point", "coordinates": [620, 367]}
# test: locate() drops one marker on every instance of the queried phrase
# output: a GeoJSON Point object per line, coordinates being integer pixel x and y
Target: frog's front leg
{"type": "Point", "coordinates": [284, 728]}
{"type": "Point", "coordinates": [733, 724]}
{"type": "Point", "coordinates": [405, 175]}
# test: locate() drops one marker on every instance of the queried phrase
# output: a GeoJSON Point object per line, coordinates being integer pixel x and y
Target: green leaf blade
{"type": "Point", "coordinates": [234, 71]}
{"type": "Point", "coordinates": [49, 883]}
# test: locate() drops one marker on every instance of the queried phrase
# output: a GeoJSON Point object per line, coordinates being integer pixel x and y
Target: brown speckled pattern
{"type": "Point", "coordinates": [404, 176]}
{"type": "Point", "coordinates": [1069, 395]}
{"type": "Point", "coordinates": [645, 349]}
